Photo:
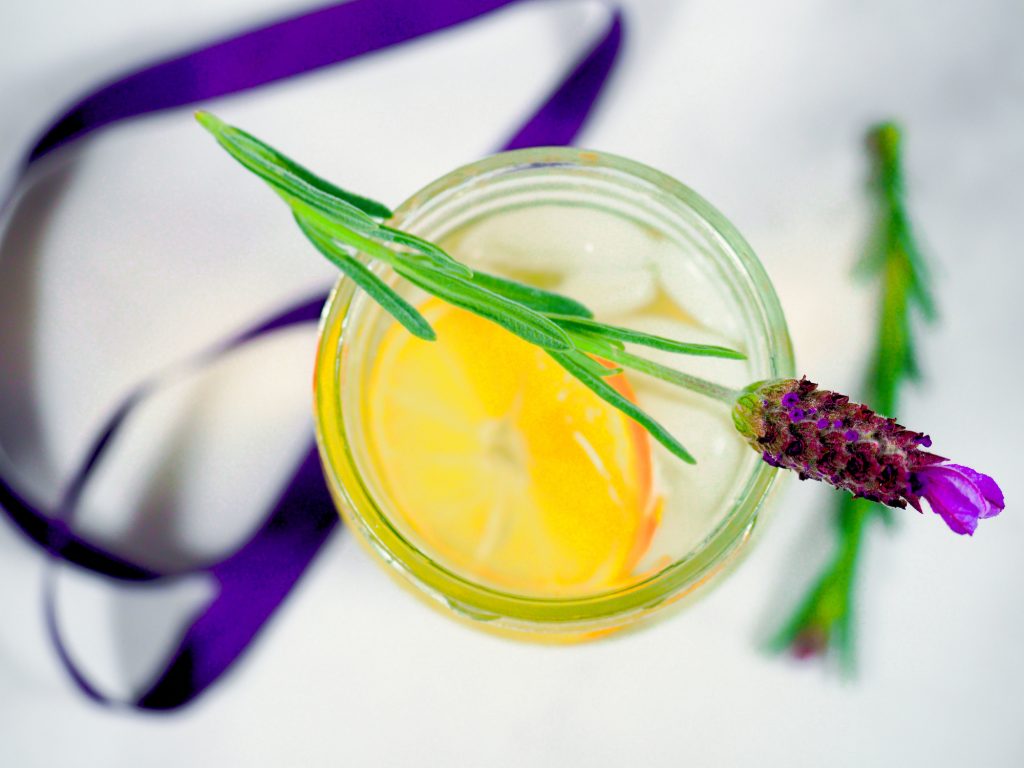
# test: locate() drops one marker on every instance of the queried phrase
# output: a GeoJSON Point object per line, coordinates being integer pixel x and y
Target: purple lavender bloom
{"type": "Point", "coordinates": [853, 448]}
{"type": "Point", "coordinates": [959, 495]}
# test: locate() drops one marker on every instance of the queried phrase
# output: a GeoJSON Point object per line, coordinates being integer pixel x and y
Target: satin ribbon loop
{"type": "Point", "coordinates": [254, 580]}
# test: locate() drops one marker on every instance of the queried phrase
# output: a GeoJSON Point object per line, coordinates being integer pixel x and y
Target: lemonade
{"type": "Point", "coordinates": [493, 481]}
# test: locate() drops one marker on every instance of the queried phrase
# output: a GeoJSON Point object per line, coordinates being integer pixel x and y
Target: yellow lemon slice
{"type": "Point", "coordinates": [506, 468]}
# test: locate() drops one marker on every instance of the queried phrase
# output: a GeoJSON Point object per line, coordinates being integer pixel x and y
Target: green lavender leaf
{"type": "Point", "coordinates": [278, 176]}
{"type": "Point", "coordinates": [596, 367]}
{"type": "Point", "coordinates": [252, 149]}
{"type": "Point", "coordinates": [375, 288]}
{"type": "Point", "coordinates": [826, 615]}
{"type": "Point", "coordinates": [514, 317]}
{"type": "Point", "coordinates": [550, 303]}
{"type": "Point", "coordinates": [920, 287]}
{"type": "Point", "coordinates": [602, 348]}
{"type": "Point", "coordinates": [435, 255]}
{"type": "Point", "coordinates": [359, 241]}
{"type": "Point", "coordinates": [603, 330]}
{"type": "Point", "coordinates": [896, 258]}
{"type": "Point", "coordinates": [367, 243]}
{"type": "Point", "coordinates": [341, 225]}
{"type": "Point", "coordinates": [570, 361]}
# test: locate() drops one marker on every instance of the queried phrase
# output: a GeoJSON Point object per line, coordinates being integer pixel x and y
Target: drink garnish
{"type": "Point", "coordinates": [866, 454]}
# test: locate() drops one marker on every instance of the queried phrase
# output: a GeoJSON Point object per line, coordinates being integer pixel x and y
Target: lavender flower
{"type": "Point", "coordinates": [823, 436]}
{"type": "Point", "coordinates": [959, 494]}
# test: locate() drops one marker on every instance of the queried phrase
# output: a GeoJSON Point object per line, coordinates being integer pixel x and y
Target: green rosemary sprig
{"type": "Point", "coordinates": [347, 228]}
{"type": "Point", "coordinates": [824, 619]}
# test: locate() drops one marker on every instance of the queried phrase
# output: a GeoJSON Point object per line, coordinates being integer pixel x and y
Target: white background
{"type": "Point", "coordinates": [147, 242]}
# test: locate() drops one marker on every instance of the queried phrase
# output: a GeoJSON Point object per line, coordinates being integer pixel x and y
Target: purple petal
{"type": "Point", "coordinates": [955, 497]}
{"type": "Point", "coordinates": [992, 493]}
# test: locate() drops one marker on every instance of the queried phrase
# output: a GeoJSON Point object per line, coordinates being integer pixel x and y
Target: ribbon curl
{"type": "Point", "coordinates": [256, 578]}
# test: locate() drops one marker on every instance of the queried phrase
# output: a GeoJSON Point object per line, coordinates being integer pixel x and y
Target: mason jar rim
{"type": "Point", "coordinates": [465, 596]}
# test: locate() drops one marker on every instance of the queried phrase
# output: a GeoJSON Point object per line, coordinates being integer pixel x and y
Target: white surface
{"type": "Point", "coordinates": [157, 244]}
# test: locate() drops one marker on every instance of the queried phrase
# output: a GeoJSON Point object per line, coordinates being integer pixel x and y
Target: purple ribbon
{"type": "Point", "coordinates": [253, 581]}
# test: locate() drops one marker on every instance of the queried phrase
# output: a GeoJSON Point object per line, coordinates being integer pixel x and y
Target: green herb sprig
{"type": "Point", "coordinates": [824, 619]}
{"type": "Point", "coordinates": [347, 228]}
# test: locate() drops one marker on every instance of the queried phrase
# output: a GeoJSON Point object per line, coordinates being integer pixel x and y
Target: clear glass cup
{"type": "Point", "coordinates": [707, 246]}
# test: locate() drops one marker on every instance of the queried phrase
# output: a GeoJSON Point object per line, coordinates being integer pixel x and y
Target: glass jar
{"type": "Point", "coordinates": [561, 178]}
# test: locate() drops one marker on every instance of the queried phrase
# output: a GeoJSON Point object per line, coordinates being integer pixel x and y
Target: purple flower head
{"type": "Point", "coordinates": [853, 448]}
